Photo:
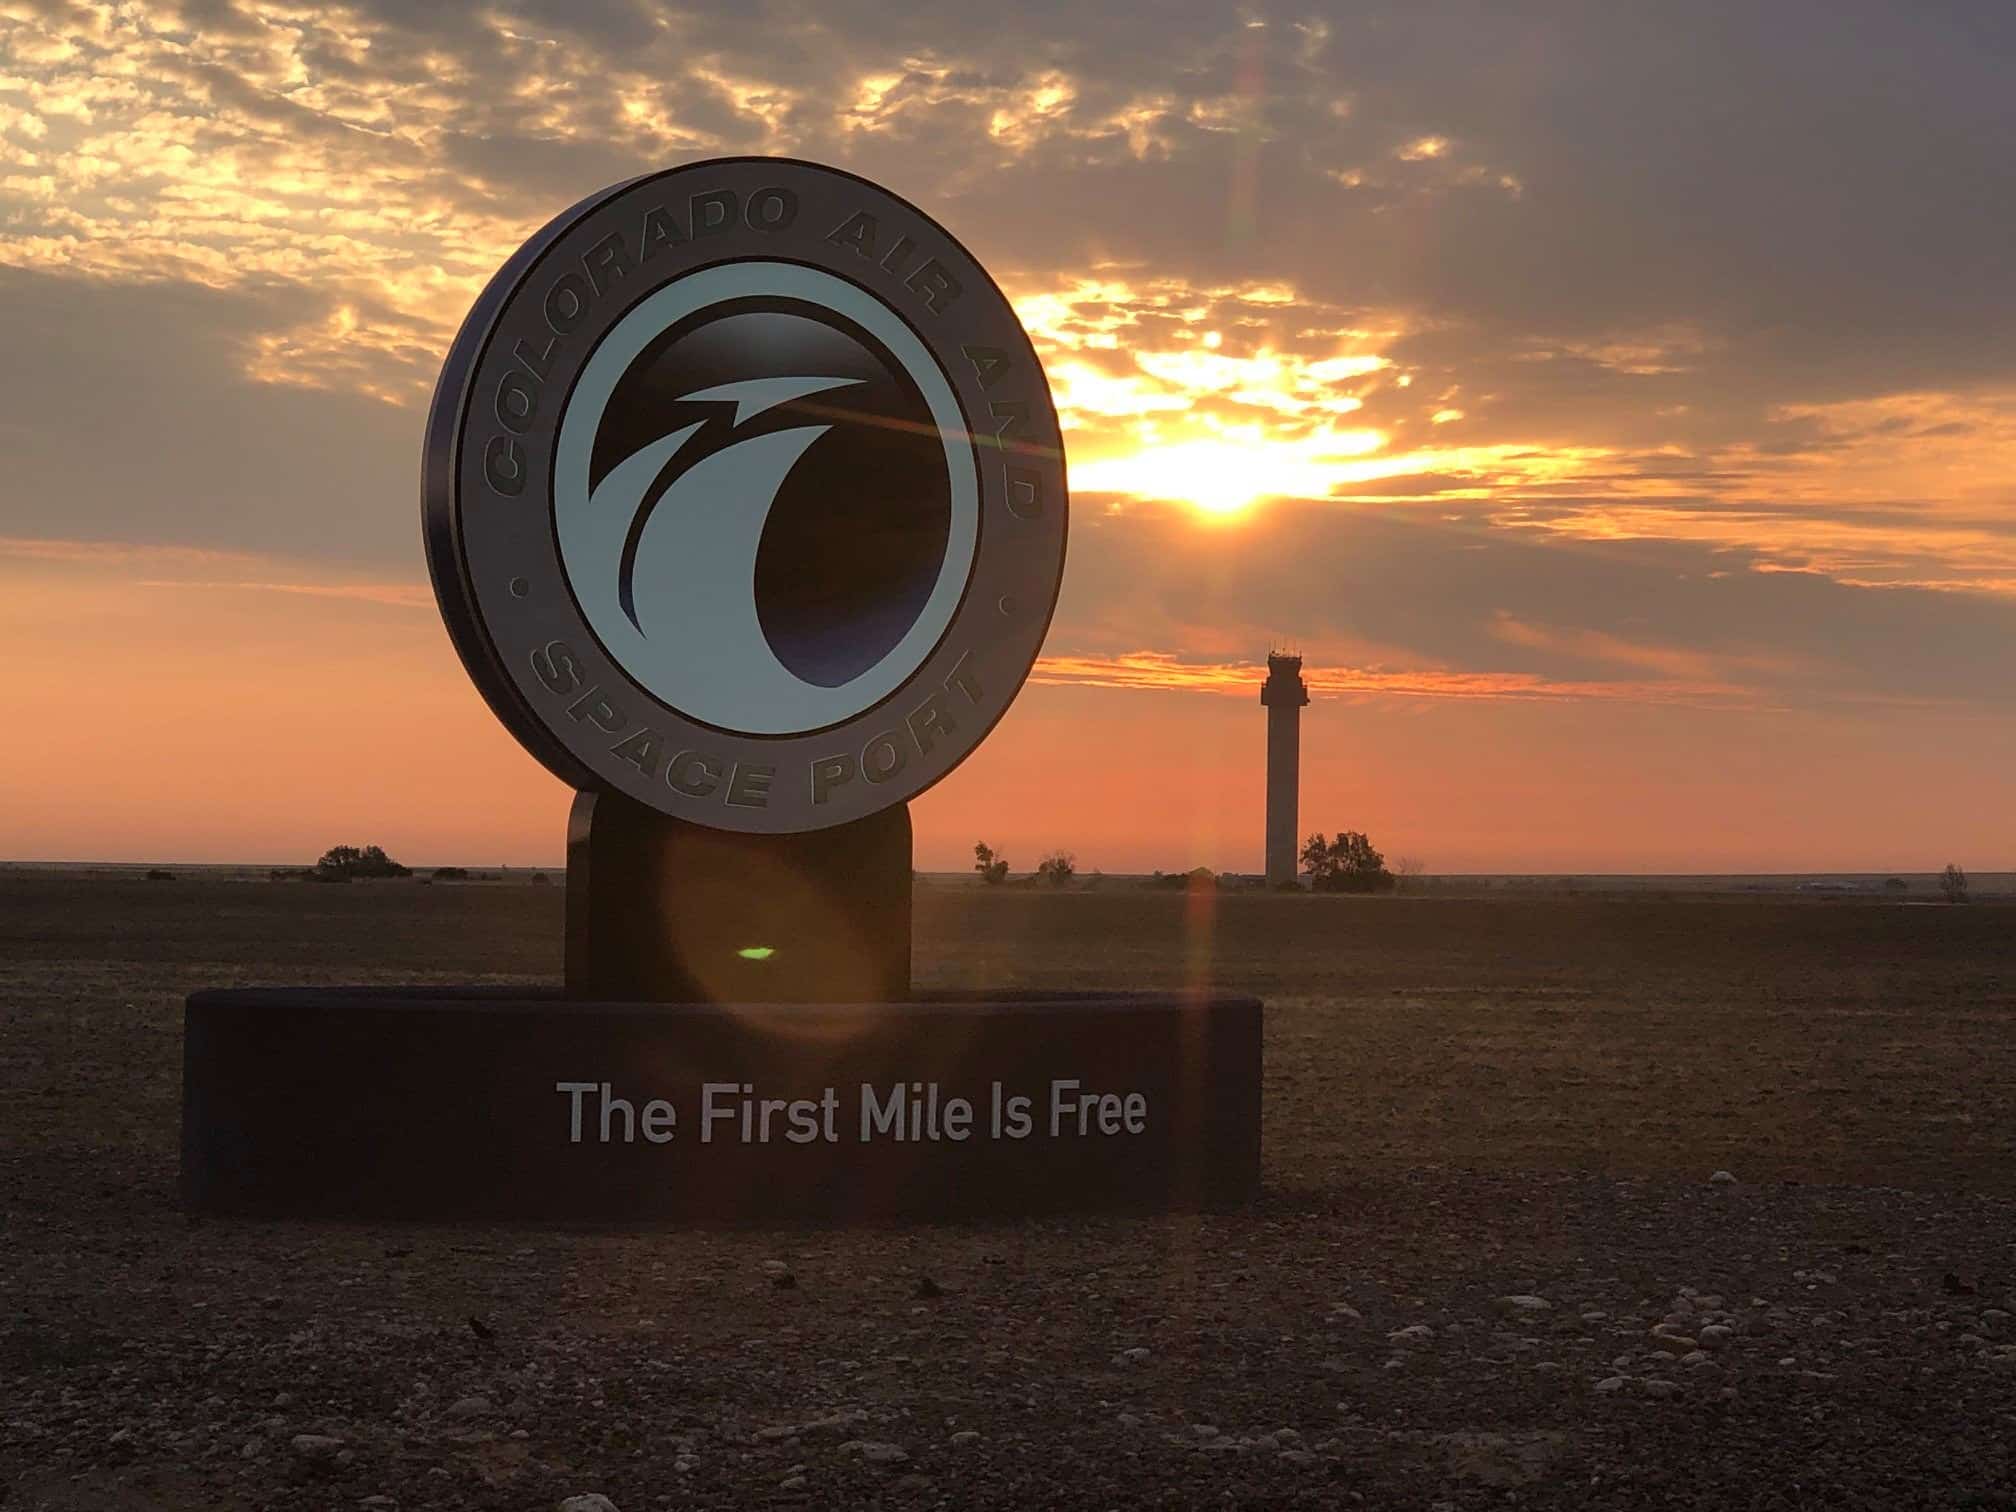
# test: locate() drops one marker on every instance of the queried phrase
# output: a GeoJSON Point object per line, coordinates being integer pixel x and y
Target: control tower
{"type": "Point", "coordinates": [1284, 693]}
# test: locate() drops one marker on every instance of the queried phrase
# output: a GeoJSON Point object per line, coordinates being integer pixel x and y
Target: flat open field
{"type": "Point", "coordinates": [1469, 1100]}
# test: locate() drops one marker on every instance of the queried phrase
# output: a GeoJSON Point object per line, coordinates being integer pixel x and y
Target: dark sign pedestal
{"type": "Point", "coordinates": [442, 1103]}
{"type": "Point", "coordinates": [663, 910]}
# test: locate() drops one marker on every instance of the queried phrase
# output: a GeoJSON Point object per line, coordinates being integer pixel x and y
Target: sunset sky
{"type": "Point", "coordinates": [1615, 403]}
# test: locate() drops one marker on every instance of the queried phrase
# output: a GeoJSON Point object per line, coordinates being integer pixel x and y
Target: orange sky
{"type": "Point", "coordinates": [1627, 443]}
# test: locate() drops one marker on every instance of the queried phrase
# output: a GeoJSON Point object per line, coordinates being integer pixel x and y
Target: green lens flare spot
{"type": "Point", "coordinates": [756, 952]}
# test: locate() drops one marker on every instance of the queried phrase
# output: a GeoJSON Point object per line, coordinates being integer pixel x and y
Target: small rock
{"type": "Point", "coordinates": [1413, 1333]}
{"type": "Point", "coordinates": [594, 1501]}
{"type": "Point", "coordinates": [792, 1483]}
{"type": "Point", "coordinates": [316, 1446]}
{"type": "Point", "coordinates": [780, 1431]}
{"type": "Point", "coordinates": [927, 1288]}
{"type": "Point", "coordinates": [1609, 1385]}
{"type": "Point", "coordinates": [1722, 1178]}
{"type": "Point", "coordinates": [1524, 1303]}
{"type": "Point", "coordinates": [1132, 1356]}
{"type": "Point", "coordinates": [471, 1407]}
{"type": "Point", "coordinates": [1658, 1388]}
{"type": "Point", "coordinates": [1298, 1457]}
{"type": "Point", "coordinates": [1346, 1312]}
{"type": "Point", "coordinates": [1715, 1335]}
{"type": "Point", "coordinates": [254, 1447]}
{"type": "Point", "coordinates": [876, 1453]}
{"type": "Point", "coordinates": [378, 1501]}
{"type": "Point", "coordinates": [966, 1436]}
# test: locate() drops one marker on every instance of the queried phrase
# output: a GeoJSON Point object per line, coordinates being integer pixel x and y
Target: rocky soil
{"type": "Point", "coordinates": [1449, 1296]}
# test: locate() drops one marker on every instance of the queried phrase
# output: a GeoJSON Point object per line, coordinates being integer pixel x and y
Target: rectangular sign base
{"type": "Point", "coordinates": [468, 1103]}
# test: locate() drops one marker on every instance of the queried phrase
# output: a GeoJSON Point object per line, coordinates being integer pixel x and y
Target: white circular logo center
{"type": "Point", "coordinates": [719, 395]}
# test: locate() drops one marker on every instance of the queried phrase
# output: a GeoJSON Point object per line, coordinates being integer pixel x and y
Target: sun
{"type": "Point", "coordinates": [1223, 476]}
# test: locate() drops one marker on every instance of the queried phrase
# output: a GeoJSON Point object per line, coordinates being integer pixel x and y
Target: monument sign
{"type": "Point", "coordinates": [745, 507]}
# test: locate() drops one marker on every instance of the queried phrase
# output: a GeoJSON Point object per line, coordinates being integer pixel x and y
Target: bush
{"type": "Point", "coordinates": [1953, 883]}
{"type": "Point", "coordinates": [540, 879]}
{"type": "Point", "coordinates": [992, 866]}
{"type": "Point", "coordinates": [1349, 863]}
{"type": "Point", "coordinates": [1057, 868]}
{"type": "Point", "coordinates": [451, 874]}
{"type": "Point", "coordinates": [345, 863]}
{"type": "Point", "coordinates": [159, 874]}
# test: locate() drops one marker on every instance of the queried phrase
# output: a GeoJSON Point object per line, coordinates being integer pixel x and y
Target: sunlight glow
{"type": "Point", "coordinates": [1225, 475]}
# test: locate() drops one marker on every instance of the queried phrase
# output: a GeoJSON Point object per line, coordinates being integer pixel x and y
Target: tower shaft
{"type": "Point", "coordinates": [1284, 695]}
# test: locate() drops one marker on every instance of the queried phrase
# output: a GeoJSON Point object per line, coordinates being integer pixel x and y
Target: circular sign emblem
{"type": "Point", "coordinates": [744, 496]}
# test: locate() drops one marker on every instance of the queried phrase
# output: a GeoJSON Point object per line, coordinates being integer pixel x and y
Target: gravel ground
{"type": "Point", "coordinates": [1447, 1298]}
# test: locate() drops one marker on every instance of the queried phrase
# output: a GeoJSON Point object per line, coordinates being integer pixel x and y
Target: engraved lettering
{"type": "Point", "coordinates": [927, 722]}
{"type": "Point", "coordinates": [750, 787]}
{"type": "Point", "coordinates": [857, 231]}
{"type": "Point", "coordinates": [703, 786]}
{"type": "Point", "coordinates": [517, 401]}
{"type": "Point", "coordinates": [830, 772]}
{"type": "Point", "coordinates": [771, 209]}
{"type": "Point", "coordinates": [607, 261]}
{"type": "Point", "coordinates": [554, 665]}
{"type": "Point", "coordinates": [660, 230]}
{"type": "Point", "coordinates": [894, 259]}
{"type": "Point", "coordinates": [641, 751]}
{"type": "Point", "coordinates": [541, 361]}
{"type": "Point", "coordinates": [1025, 492]}
{"type": "Point", "coordinates": [964, 678]}
{"type": "Point", "coordinates": [595, 707]}
{"type": "Point", "coordinates": [567, 303]}
{"type": "Point", "coordinates": [504, 466]}
{"type": "Point", "coordinates": [1014, 417]}
{"type": "Point", "coordinates": [883, 757]}
{"type": "Point", "coordinates": [990, 364]}
{"type": "Point", "coordinates": [936, 284]}
{"type": "Point", "coordinates": [713, 212]}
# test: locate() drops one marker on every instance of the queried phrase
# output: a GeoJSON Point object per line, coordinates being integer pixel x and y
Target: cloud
{"type": "Point", "coordinates": [1677, 335]}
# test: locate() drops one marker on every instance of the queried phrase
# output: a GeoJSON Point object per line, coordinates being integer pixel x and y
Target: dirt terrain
{"type": "Point", "coordinates": [1489, 1268]}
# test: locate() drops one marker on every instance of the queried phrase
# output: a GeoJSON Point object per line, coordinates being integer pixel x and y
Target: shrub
{"type": "Point", "coordinates": [992, 866]}
{"type": "Point", "coordinates": [159, 874]}
{"type": "Point", "coordinates": [344, 863]}
{"type": "Point", "coordinates": [451, 874]}
{"type": "Point", "coordinates": [1057, 868]}
{"type": "Point", "coordinates": [1349, 863]}
{"type": "Point", "coordinates": [1953, 883]}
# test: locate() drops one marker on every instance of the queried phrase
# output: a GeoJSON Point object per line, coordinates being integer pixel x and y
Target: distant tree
{"type": "Point", "coordinates": [1953, 883]}
{"type": "Point", "coordinates": [540, 879]}
{"type": "Point", "coordinates": [1896, 885]}
{"type": "Point", "coordinates": [159, 874]}
{"type": "Point", "coordinates": [1350, 863]}
{"type": "Point", "coordinates": [346, 863]}
{"type": "Point", "coordinates": [1407, 872]}
{"type": "Point", "coordinates": [993, 868]}
{"type": "Point", "coordinates": [451, 874]}
{"type": "Point", "coordinates": [1057, 868]}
